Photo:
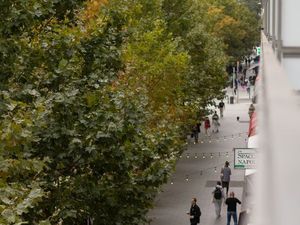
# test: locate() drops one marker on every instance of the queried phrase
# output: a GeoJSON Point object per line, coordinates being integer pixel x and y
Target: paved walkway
{"type": "Point", "coordinates": [196, 177]}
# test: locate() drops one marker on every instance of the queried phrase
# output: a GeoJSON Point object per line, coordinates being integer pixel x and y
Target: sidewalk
{"type": "Point", "coordinates": [242, 94]}
{"type": "Point", "coordinates": [196, 177]}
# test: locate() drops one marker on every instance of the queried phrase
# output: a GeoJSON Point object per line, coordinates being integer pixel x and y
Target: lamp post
{"type": "Point", "coordinates": [237, 88]}
{"type": "Point", "coordinates": [233, 79]}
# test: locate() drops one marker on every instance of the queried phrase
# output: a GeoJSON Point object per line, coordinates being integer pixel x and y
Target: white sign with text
{"type": "Point", "coordinates": [244, 158]}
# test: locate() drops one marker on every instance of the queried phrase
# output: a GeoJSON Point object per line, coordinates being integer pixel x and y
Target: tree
{"type": "Point", "coordinates": [235, 24]}
{"type": "Point", "coordinates": [81, 133]}
{"type": "Point", "coordinates": [206, 76]}
{"type": "Point", "coordinates": [254, 6]}
{"type": "Point", "coordinates": [97, 98]}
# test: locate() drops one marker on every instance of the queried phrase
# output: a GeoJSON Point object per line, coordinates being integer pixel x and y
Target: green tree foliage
{"type": "Point", "coordinates": [254, 6]}
{"type": "Point", "coordinates": [96, 98]}
{"type": "Point", "coordinates": [206, 75]}
{"type": "Point", "coordinates": [235, 24]}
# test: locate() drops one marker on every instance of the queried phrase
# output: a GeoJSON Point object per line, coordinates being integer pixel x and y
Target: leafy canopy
{"type": "Point", "coordinates": [97, 98]}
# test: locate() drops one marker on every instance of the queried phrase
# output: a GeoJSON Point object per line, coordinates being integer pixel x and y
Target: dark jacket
{"type": "Point", "coordinates": [196, 212]}
{"type": "Point", "coordinates": [198, 127]}
{"type": "Point", "coordinates": [231, 204]}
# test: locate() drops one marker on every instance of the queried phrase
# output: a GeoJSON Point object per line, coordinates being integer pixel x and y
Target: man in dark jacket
{"type": "Point", "coordinates": [221, 107]}
{"type": "Point", "coordinates": [194, 213]}
{"type": "Point", "coordinates": [231, 208]}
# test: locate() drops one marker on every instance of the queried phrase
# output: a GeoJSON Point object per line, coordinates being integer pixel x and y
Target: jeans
{"type": "Point", "coordinates": [196, 136]}
{"type": "Point", "coordinates": [218, 206]}
{"type": "Point", "coordinates": [233, 214]}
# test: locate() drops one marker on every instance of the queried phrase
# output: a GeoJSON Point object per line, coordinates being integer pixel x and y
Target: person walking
{"type": "Point", "coordinates": [248, 87]}
{"type": "Point", "coordinates": [231, 208]}
{"type": "Point", "coordinates": [251, 110]}
{"type": "Point", "coordinates": [195, 133]}
{"type": "Point", "coordinates": [225, 176]}
{"type": "Point", "coordinates": [194, 212]}
{"type": "Point", "coordinates": [215, 122]}
{"type": "Point", "coordinates": [236, 85]}
{"type": "Point", "coordinates": [218, 196]}
{"type": "Point", "coordinates": [206, 125]}
{"type": "Point", "coordinates": [249, 62]}
{"type": "Point", "coordinates": [199, 127]}
{"type": "Point", "coordinates": [221, 107]}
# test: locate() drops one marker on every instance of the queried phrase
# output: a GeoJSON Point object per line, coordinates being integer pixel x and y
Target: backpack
{"type": "Point", "coordinates": [215, 117]}
{"type": "Point", "coordinates": [218, 193]}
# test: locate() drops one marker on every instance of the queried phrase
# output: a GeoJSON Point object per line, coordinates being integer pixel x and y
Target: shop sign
{"type": "Point", "coordinates": [244, 158]}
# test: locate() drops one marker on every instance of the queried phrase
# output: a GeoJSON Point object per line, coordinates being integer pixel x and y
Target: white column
{"type": "Point", "coordinates": [290, 34]}
{"type": "Point", "coordinates": [271, 2]}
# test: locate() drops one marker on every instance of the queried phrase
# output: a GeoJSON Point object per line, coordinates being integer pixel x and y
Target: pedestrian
{"type": "Point", "coordinates": [206, 125]}
{"type": "Point", "coordinates": [231, 208]}
{"type": "Point", "coordinates": [195, 134]}
{"type": "Point", "coordinates": [240, 68]}
{"type": "Point", "coordinates": [244, 73]}
{"type": "Point", "coordinates": [236, 82]}
{"type": "Point", "coordinates": [248, 88]}
{"type": "Point", "coordinates": [194, 212]}
{"type": "Point", "coordinates": [241, 81]}
{"type": "Point", "coordinates": [251, 110]}
{"type": "Point", "coordinates": [215, 122]}
{"type": "Point", "coordinates": [199, 127]}
{"type": "Point", "coordinates": [225, 176]}
{"type": "Point", "coordinates": [221, 107]}
{"type": "Point", "coordinates": [218, 196]}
